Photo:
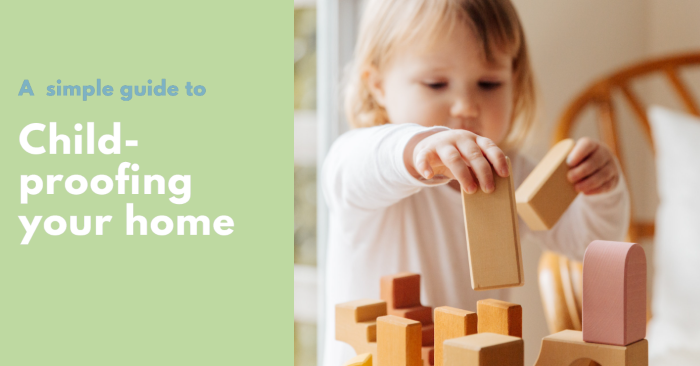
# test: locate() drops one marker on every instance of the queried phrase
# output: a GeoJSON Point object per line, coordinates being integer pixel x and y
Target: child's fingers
{"type": "Point", "coordinates": [607, 186]}
{"type": "Point", "coordinates": [472, 153]}
{"type": "Point", "coordinates": [422, 164]}
{"type": "Point", "coordinates": [596, 180]}
{"type": "Point", "coordinates": [452, 159]}
{"type": "Point", "coordinates": [494, 155]}
{"type": "Point", "coordinates": [589, 166]}
{"type": "Point", "coordinates": [583, 148]}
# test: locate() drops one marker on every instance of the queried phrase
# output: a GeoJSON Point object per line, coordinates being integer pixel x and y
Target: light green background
{"type": "Point", "coordinates": [151, 300]}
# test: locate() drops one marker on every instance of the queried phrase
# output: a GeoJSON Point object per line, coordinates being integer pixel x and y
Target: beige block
{"type": "Point", "coordinates": [546, 193]}
{"type": "Point", "coordinates": [451, 323]}
{"type": "Point", "coordinates": [490, 219]}
{"type": "Point", "coordinates": [485, 349]}
{"type": "Point", "coordinates": [565, 347]}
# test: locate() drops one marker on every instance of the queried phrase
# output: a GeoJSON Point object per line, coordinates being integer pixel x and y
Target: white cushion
{"type": "Point", "coordinates": [675, 327]}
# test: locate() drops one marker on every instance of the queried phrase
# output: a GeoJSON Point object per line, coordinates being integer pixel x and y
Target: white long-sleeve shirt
{"type": "Point", "coordinates": [384, 221]}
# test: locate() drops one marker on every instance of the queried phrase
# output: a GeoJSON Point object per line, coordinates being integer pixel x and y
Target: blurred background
{"type": "Point", "coordinates": [572, 43]}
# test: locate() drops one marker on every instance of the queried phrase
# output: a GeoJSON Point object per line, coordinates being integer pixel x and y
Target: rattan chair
{"type": "Point", "coordinates": [560, 279]}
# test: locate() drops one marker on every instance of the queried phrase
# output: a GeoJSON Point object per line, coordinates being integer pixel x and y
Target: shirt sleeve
{"type": "Point", "coordinates": [604, 216]}
{"type": "Point", "coordinates": [365, 167]}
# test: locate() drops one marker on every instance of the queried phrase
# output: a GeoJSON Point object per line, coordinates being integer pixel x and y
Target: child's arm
{"type": "Point", "coordinates": [375, 167]}
{"type": "Point", "coordinates": [364, 168]}
{"type": "Point", "coordinates": [601, 212]}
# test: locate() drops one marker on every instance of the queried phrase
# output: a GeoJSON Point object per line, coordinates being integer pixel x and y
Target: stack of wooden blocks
{"type": "Point", "coordinates": [614, 322]}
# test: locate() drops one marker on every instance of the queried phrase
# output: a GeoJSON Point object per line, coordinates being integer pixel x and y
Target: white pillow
{"type": "Point", "coordinates": [675, 327]}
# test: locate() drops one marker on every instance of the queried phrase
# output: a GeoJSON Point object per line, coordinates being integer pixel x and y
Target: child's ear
{"type": "Point", "coordinates": [373, 79]}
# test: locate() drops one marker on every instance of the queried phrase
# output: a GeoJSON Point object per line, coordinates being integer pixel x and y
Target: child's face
{"type": "Point", "coordinates": [449, 83]}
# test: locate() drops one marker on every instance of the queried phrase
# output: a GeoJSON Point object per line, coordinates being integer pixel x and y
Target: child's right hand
{"type": "Point", "coordinates": [457, 154]}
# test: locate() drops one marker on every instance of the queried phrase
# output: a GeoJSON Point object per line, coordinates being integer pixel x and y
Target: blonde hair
{"type": "Point", "coordinates": [389, 24]}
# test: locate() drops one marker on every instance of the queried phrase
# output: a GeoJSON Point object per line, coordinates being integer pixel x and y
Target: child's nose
{"type": "Point", "coordinates": [465, 107]}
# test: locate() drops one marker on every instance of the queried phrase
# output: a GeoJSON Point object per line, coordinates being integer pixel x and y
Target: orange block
{"type": "Point", "coordinates": [355, 324]}
{"type": "Point", "coordinates": [423, 314]}
{"type": "Point", "coordinates": [451, 323]}
{"type": "Point", "coordinates": [364, 359]}
{"type": "Point", "coordinates": [500, 317]}
{"type": "Point", "coordinates": [401, 290]}
{"type": "Point", "coordinates": [398, 341]}
{"type": "Point", "coordinates": [614, 293]}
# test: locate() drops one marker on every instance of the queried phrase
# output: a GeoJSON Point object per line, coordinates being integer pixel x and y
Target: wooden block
{"type": "Point", "coordinates": [398, 341]}
{"type": "Point", "coordinates": [500, 317]}
{"type": "Point", "coordinates": [565, 347]}
{"type": "Point", "coordinates": [614, 293]}
{"type": "Point", "coordinates": [423, 314]}
{"type": "Point", "coordinates": [428, 355]}
{"type": "Point", "coordinates": [451, 323]}
{"type": "Point", "coordinates": [401, 290]}
{"type": "Point", "coordinates": [355, 324]}
{"type": "Point", "coordinates": [364, 359]}
{"type": "Point", "coordinates": [546, 193]}
{"type": "Point", "coordinates": [485, 349]}
{"type": "Point", "coordinates": [495, 258]}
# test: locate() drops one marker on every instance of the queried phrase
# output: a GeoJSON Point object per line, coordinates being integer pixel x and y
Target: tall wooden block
{"type": "Point", "coordinates": [565, 347]}
{"type": "Point", "coordinates": [356, 325]}
{"type": "Point", "coordinates": [495, 257]}
{"type": "Point", "coordinates": [500, 317]}
{"type": "Point", "coordinates": [364, 359]}
{"type": "Point", "coordinates": [398, 341]}
{"type": "Point", "coordinates": [401, 290]}
{"type": "Point", "coordinates": [546, 193]}
{"type": "Point", "coordinates": [485, 349]}
{"type": "Point", "coordinates": [451, 323]}
{"type": "Point", "coordinates": [614, 293]}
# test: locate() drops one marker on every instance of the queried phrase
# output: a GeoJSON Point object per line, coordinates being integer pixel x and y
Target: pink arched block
{"type": "Point", "coordinates": [614, 293]}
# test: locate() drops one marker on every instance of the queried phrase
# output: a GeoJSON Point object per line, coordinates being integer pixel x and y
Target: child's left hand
{"type": "Point", "coordinates": [592, 167]}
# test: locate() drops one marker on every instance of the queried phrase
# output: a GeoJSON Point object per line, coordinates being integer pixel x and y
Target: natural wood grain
{"type": "Point", "coordinates": [614, 293]}
{"type": "Point", "coordinates": [364, 359]}
{"type": "Point", "coordinates": [398, 341]}
{"type": "Point", "coordinates": [493, 241]}
{"type": "Point", "coordinates": [451, 323]}
{"type": "Point", "coordinates": [546, 193]}
{"type": "Point", "coordinates": [484, 349]}
{"type": "Point", "coordinates": [500, 317]}
{"type": "Point", "coordinates": [565, 347]}
{"type": "Point", "coordinates": [355, 324]}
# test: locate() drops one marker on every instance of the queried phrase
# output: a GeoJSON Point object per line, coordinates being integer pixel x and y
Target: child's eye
{"type": "Point", "coordinates": [489, 85]}
{"type": "Point", "coordinates": [436, 85]}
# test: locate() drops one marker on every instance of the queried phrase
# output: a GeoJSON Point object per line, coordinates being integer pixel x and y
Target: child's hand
{"type": "Point", "coordinates": [593, 169]}
{"type": "Point", "coordinates": [461, 155]}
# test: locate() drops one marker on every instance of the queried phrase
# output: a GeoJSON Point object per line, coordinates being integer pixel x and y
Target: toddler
{"type": "Point", "coordinates": [440, 91]}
